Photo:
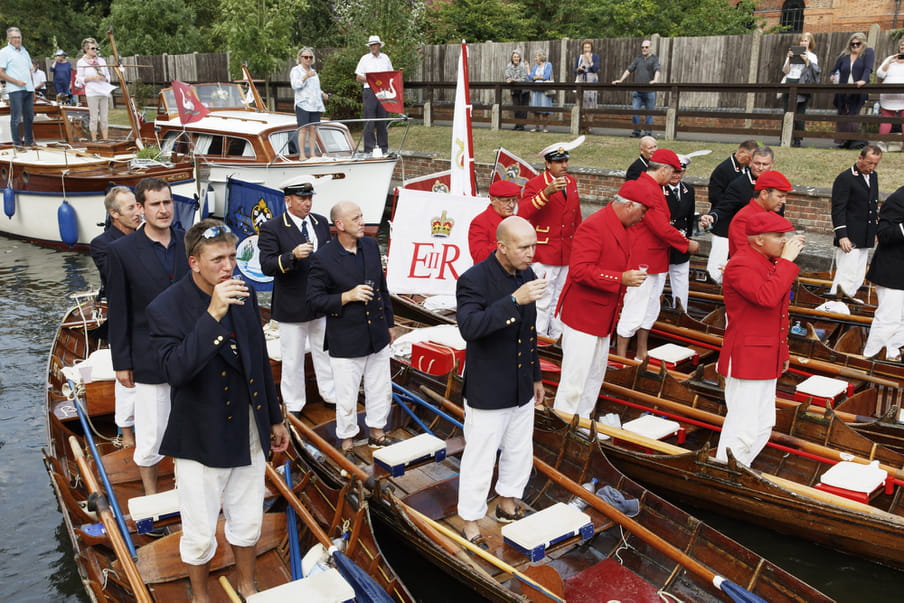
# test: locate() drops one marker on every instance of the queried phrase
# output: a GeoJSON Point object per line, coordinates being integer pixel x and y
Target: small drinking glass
{"type": "Point", "coordinates": [240, 277]}
{"type": "Point", "coordinates": [643, 267]}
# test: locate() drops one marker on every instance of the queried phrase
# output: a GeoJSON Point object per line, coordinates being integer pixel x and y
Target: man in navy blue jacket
{"type": "Point", "coordinates": [225, 418]}
{"type": "Point", "coordinates": [286, 244]}
{"type": "Point", "coordinates": [347, 283]}
{"type": "Point", "coordinates": [497, 315]}
{"type": "Point", "coordinates": [142, 265]}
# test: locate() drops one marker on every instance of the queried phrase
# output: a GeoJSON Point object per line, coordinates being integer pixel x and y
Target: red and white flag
{"type": "Point", "coordinates": [437, 182]}
{"type": "Point", "coordinates": [187, 102]}
{"type": "Point", "coordinates": [464, 177]}
{"type": "Point", "coordinates": [389, 89]}
{"type": "Point", "coordinates": [509, 166]}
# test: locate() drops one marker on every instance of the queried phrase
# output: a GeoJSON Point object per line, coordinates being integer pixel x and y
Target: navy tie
{"type": "Point", "coordinates": [304, 231]}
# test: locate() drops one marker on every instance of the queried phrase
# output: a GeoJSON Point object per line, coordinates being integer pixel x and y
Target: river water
{"type": "Point", "coordinates": [35, 554]}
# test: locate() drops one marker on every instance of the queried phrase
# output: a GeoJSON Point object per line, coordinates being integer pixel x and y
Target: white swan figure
{"type": "Point", "coordinates": [387, 94]}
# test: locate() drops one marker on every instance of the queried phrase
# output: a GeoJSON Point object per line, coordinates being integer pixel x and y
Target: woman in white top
{"type": "Point", "coordinates": [92, 74]}
{"type": "Point", "coordinates": [308, 99]}
{"type": "Point", "coordinates": [802, 69]}
{"type": "Point", "coordinates": [892, 72]}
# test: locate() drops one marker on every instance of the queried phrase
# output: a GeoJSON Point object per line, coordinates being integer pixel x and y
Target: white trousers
{"type": "Point", "coordinates": [641, 306]}
{"type": "Point", "coordinates": [547, 324]}
{"type": "Point", "coordinates": [584, 360]}
{"type": "Point", "coordinates": [486, 431]}
{"type": "Point", "coordinates": [718, 257]}
{"type": "Point", "coordinates": [98, 109]}
{"type": "Point", "coordinates": [204, 490]}
{"type": "Point", "coordinates": [850, 270]}
{"type": "Point", "coordinates": [294, 339]}
{"type": "Point", "coordinates": [887, 329]}
{"type": "Point", "coordinates": [124, 398]}
{"type": "Point", "coordinates": [750, 418]}
{"type": "Point", "coordinates": [347, 374]}
{"type": "Point", "coordinates": [152, 409]}
{"type": "Point", "coordinates": [679, 281]}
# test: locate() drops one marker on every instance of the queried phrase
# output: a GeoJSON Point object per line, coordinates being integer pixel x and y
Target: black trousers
{"type": "Point", "coordinates": [373, 108]}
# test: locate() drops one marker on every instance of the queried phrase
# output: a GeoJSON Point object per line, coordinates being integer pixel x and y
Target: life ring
{"type": "Point", "coordinates": [68, 223]}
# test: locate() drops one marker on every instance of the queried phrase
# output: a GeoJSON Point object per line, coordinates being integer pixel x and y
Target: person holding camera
{"type": "Point", "coordinates": [586, 71]}
{"type": "Point", "coordinates": [891, 71]}
{"type": "Point", "coordinates": [801, 67]}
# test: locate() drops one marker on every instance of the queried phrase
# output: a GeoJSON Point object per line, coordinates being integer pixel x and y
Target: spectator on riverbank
{"type": "Point", "coordinates": [646, 69]}
{"type": "Point", "coordinates": [853, 66]}
{"type": "Point", "coordinates": [15, 70]}
{"type": "Point", "coordinates": [586, 71]}
{"type": "Point", "coordinates": [800, 69]}
{"type": "Point", "coordinates": [39, 78]}
{"type": "Point", "coordinates": [308, 100]}
{"type": "Point", "coordinates": [891, 71]}
{"type": "Point", "coordinates": [373, 61]}
{"type": "Point", "coordinates": [61, 69]}
{"type": "Point", "coordinates": [92, 73]}
{"type": "Point", "coordinates": [541, 72]}
{"type": "Point", "coordinates": [648, 146]}
{"type": "Point", "coordinates": [517, 71]}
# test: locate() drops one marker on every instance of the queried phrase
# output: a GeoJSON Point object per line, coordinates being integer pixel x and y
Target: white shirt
{"type": "Point", "coordinates": [312, 236]}
{"type": "Point", "coordinates": [370, 63]}
{"type": "Point", "coordinates": [38, 77]}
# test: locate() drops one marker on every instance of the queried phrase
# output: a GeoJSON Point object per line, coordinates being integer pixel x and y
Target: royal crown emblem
{"type": "Point", "coordinates": [441, 226]}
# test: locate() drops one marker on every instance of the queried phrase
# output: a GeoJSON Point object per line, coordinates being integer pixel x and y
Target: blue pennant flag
{"type": "Point", "coordinates": [248, 206]}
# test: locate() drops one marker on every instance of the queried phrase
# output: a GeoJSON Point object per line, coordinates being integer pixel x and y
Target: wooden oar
{"type": "Point", "coordinates": [352, 469]}
{"type": "Point", "coordinates": [139, 589]}
{"type": "Point", "coordinates": [714, 419]}
{"type": "Point", "coordinates": [636, 528]}
{"type": "Point", "coordinates": [670, 449]}
{"type": "Point", "coordinates": [800, 311]}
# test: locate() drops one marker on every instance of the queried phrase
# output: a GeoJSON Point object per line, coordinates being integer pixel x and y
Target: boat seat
{"type": "Point", "coordinates": [822, 391]}
{"type": "Point", "coordinates": [672, 355]}
{"type": "Point", "coordinates": [395, 458]}
{"type": "Point", "coordinates": [855, 481]}
{"type": "Point", "coordinates": [145, 510]}
{"type": "Point", "coordinates": [655, 427]}
{"type": "Point", "coordinates": [325, 587]}
{"type": "Point", "coordinates": [535, 533]}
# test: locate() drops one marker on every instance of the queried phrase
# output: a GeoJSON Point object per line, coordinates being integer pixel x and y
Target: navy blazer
{"type": "Point", "coordinates": [212, 387]}
{"type": "Point", "coordinates": [637, 168]}
{"type": "Point", "coordinates": [885, 267]}
{"type": "Point", "coordinates": [723, 175]}
{"type": "Point", "coordinates": [99, 248]}
{"type": "Point", "coordinates": [862, 69]}
{"type": "Point", "coordinates": [682, 216]}
{"type": "Point", "coordinates": [356, 329]}
{"type": "Point", "coordinates": [278, 237]}
{"type": "Point", "coordinates": [135, 278]}
{"type": "Point", "coordinates": [855, 207]}
{"type": "Point", "coordinates": [501, 362]}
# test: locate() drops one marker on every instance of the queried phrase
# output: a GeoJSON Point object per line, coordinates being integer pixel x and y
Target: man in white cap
{"type": "Point", "coordinates": [286, 244]}
{"type": "Point", "coordinates": [551, 204]}
{"type": "Point", "coordinates": [373, 61]}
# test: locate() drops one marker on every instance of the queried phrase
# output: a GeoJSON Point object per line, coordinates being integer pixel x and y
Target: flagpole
{"type": "Point", "coordinates": [472, 172]}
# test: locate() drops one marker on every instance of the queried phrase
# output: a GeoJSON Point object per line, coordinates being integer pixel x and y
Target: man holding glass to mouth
{"type": "Point", "coordinates": [347, 283]}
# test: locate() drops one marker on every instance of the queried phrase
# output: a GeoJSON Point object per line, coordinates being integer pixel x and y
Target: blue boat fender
{"type": "Point", "coordinates": [68, 223]}
{"type": "Point", "coordinates": [9, 202]}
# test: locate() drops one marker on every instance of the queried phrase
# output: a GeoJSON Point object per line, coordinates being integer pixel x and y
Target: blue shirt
{"type": "Point", "coordinates": [16, 62]}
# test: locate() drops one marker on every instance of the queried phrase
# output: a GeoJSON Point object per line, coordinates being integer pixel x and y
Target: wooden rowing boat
{"type": "Point", "coordinates": [105, 564]}
{"type": "Point", "coordinates": [615, 559]}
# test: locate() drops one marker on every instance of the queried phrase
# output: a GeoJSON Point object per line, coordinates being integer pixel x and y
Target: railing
{"type": "Point", "coordinates": [758, 117]}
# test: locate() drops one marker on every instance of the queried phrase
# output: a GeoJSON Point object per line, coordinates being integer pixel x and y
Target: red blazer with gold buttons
{"type": "Point", "coordinates": [653, 235]}
{"type": "Point", "coordinates": [756, 291]}
{"type": "Point", "coordinates": [592, 297]}
{"type": "Point", "coordinates": [555, 218]}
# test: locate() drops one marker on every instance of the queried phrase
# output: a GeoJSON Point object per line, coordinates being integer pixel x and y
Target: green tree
{"type": "Point", "coordinates": [258, 32]}
{"type": "Point", "coordinates": [43, 21]}
{"type": "Point", "coordinates": [477, 21]}
{"type": "Point", "coordinates": [162, 26]}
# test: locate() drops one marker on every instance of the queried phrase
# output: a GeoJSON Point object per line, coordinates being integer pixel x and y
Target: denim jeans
{"type": "Point", "coordinates": [645, 100]}
{"type": "Point", "coordinates": [21, 110]}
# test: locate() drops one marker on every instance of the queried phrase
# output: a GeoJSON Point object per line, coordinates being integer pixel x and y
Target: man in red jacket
{"type": "Point", "coordinates": [550, 203]}
{"type": "Point", "coordinates": [482, 232]}
{"type": "Point", "coordinates": [591, 300]}
{"type": "Point", "coordinates": [756, 284]}
{"type": "Point", "coordinates": [652, 238]}
{"type": "Point", "coordinates": [771, 193]}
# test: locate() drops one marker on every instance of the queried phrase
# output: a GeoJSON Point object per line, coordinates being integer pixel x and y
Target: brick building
{"type": "Point", "coordinates": [820, 16]}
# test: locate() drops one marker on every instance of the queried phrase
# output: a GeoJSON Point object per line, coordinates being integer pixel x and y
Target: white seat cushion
{"type": "Point", "coordinates": [652, 426]}
{"type": "Point", "coordinates": [671, 353]}
{"type": "Point", "coordinates": [412, 449]}
{"type": "Point", "coordinates": [154, 506]}
{"type": "Point", "coordinates": [854, 476]}
{"type": "Point", "coordinates": [545, 527]}
{"type": "Point", "coordinates": [325, 587]}
{"type": "Point", "coordinates": [823, 387]}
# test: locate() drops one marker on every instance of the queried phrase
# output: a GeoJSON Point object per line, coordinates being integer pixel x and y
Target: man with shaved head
{"type": "Point", "coordinates": [648, 146]}
{"type": "Point", "coordinates": [502, 382]}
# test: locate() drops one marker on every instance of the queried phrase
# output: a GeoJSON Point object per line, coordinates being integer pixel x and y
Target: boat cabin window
{"type": "Point", "coordinates": [239, 147]}
{"type": "Point", "coordinates": [284, 143]}
{"type": "Point", "coordinates": [176, 142]}
{"type": "Point", "coordinates": [335, 141]}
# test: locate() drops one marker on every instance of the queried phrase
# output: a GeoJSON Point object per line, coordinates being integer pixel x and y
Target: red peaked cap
{"type": "Point", "coordinates": [633, 190]}
{"type": "Point", "coordinates": [667, 157]}
{"type": "Point", "coordinates": [504, 188]}
{"type": "Point", "coordinates": [772, 179]}
{"type": "Point", "coordinates": [768, 221]}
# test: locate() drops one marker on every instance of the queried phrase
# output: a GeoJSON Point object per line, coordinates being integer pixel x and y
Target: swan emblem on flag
{"type": "Point", "coordinates": [387, 94]}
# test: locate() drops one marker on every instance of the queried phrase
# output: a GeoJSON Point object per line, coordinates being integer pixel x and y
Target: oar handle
{"type": "Point", "coordinates": [328, 449]}
{"type": "Point", "coordinates": [139, 589]}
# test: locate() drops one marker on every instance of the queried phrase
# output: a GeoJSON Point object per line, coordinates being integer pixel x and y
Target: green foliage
{"type": "Point", "coordinates": [42, 21]}
{"type": "Point", "coordinates": [477, 21]}
{"type": "Point", "coordinates": [257, 32]}
{"type": "Point", "coordinates": [316, 26]}
{"type": "Point", "coordinates": [162, 26]}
